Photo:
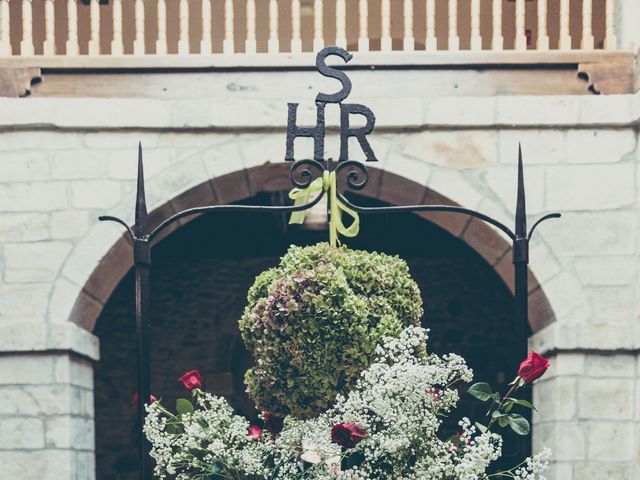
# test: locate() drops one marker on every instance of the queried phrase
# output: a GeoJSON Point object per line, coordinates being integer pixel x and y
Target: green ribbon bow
{"type": "Point", "coordinates": [300, 196]}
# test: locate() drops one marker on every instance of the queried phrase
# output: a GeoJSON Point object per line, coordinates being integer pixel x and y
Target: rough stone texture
{"type": "Point", "coordinates": [64, 162]}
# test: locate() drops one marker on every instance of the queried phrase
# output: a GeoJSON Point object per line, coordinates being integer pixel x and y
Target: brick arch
{"type": "Point", "coordinates": [84, 303]}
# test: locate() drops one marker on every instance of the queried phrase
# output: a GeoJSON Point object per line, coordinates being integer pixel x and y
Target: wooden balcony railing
{"type": "Point", "coordinates": [68, 32]}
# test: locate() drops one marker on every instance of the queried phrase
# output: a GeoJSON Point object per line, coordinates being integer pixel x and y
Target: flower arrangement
{"type": "Point", "coordinates": [385, 428]}
{"type": "Point", "coordinates": [312, 324]}
{"type": "Point", "coordinates": [347, 387]}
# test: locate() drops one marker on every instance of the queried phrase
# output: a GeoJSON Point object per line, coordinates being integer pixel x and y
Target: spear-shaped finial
{"type": "Point", "coordinates": [521, 209]}
{"type": "Point", "coordinates": [140, 227]}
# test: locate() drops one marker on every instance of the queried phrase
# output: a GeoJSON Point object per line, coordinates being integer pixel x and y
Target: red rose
{"type": "Point", "coordinates": [254, 432]}
{"type": "Point", "coordinates": [533, 367]}
{"type": "Point", "coordinates": [191, 380]}
{"type": "Point", "coordinates": [135, 400]}
{"type": "Point", "coordinates": [347, 435]}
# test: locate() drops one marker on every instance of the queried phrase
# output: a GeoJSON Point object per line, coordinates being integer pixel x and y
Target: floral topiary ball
{"type": "Point", "coordinates": [313, 322]}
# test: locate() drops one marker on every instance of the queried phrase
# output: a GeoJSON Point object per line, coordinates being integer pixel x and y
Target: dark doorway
{"type": "Point", "coordinates": [200, 277]}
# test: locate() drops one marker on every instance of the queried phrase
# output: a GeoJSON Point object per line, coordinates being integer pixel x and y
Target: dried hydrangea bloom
{"type": "Point", "coordinates": [313, 322]}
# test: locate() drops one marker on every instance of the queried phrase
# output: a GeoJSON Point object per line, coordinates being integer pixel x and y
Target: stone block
{"type": "Point", "coordinates": [568, 299]}
{"type": "Point", "coordinates": [611, 441]}
{"type": "Point", "coordinates": [538, 147]}
{"type": "Point", "coordinates": [34, 262]}
{"type": "Point", "coordinates": [34, 196]}
{"type": "Point", "coordinates": [24, 302]}
{"type": "Point", "coordinates": [97, 194]}
{"type": "Point", "coordinates": [73, 370]}
{"type": "Point", "coordinates": [120, 140]}
{"type": "Point", "coordinates": [604, 471]}
{"type": "Point", "coordinates": [458, 150]}
{"type": "Point", "coordinates": [39, 465]}
{"type": "Point", "coordinates": [606, 399]}
{"type": "Point", "coordinates": [69, 432]}
{"type": "Point", "coordinates": [582, 187]}
{"type": "Point", "coordinates": [555, 400]}
{"type": "Point", "coordinates": [609, 271]}
{"type": "Point", "coordinates": [25, 166]}
{"type": "Point", "coordinates": [608, 366]}
{"type": "Point", "coordinates": [21, 433]}
{"type": "Point", "coordinates": [26, 369]}
{"type": "Point", "coordinates": [566, 439]}
{"type": "Point", "coordinates": [23, 227]}
{"type": "Point", "coordinates": [535, 110]}
{"type": "Point", "coordinates": [600, 146]}
{"type": "Point", "coordinates": [610, 233]}
{"type": "Point", "coordinates": [78, 164]}
{"type": "Point", "coordinates": [613, 306]}
{"type": "Point", "coordinates": [457, 111]}
{"type": "Point", "coordinates": [70, 224]}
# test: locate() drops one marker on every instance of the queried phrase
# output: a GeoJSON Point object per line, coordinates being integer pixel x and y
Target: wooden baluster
{"type": "Point", "coordinates": [5, 34]}
{"type": "Point", "coordinates": [117, 45]}
{"type": "Point", "coordinates": [565, 37]}
{"type": "Point", "coordinates": [543, 34]}
{"type": "Point", "coordinates": [341, 24]}
{"type": "Point", "coordinates": [205, 43]}
{"type": "Point", "coordinates": [497, 40]}
{"type": "Point", "coordinates": [476, 39]}
{"type": "Point", "coordinates": [454, 40]}
{"type": "Point", "coordinates": [431, 42]}
{"type": "Point", "coordinates": [296, 39]}
{"type": "Point", "coordinates": [26, 45]}
{"type": "Point", "coordinates": [228, 45]}
{"type": "Point", "coordinates": [183, 28]}
{"type": "Point", "coordinates": [161, 42]}
{"type": "Point", "coordinates": [138, 42]}
{"type": "Point", "coordinates": [273, 45]}
{"type": "Point", "coordinates": [318, 26]}
{"type": "Point", "coordinates": [587, 42]}
{"type": "Point", "coordinates": [363, 36]}
{"type": "Point", "coordinates": [611, 39]}
{"type": "Point", "coordinates": [250, 44]}
{"type": "Point", "coordinates": [49, 45]}
{"type": "Point", "coordinates": [409, 42]}
{"type": "Point", "coordinates": [385, 14]}
{"type": "Point", "coordinates": [72, 22]}
{"type": "Point", "coordinates": [94, 23]}
{"type": "Point", "coordinates": [521, 34]}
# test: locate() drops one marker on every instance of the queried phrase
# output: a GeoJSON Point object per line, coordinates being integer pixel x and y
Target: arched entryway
{"type": "Point", "coordinates": [202, 271]}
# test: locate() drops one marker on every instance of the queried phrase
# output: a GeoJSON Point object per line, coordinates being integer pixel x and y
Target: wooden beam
{"type": "Point", "coordinates": [307, 60]}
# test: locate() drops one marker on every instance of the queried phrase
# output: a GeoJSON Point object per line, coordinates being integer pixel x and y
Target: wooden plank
{"type": "Point", "coordinates": [17, 82]}
{"type": "Point", "coordinates": [615, 77]}
{"type": "Point", "coordinates": [201, 85]}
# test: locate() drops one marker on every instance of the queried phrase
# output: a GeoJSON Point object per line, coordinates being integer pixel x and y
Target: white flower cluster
{"type": "Point", "coordinates": [398, 402]}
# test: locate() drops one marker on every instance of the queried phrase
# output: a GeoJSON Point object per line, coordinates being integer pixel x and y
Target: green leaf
{"type": "Point", "coordinates": [174, 428]}
{"type": "Point", "coordinates": [524, 403]}
{"type": "Point", "coordinates": [519, 424]}
{"type": "Point", "coordinates": [184, 406]}
{"type": "Point", "coordinates": [481, 391]}
{"type": "Point", "coordinates": [503, 421]}
{"type": "Point", "coordinates": [481, 428]}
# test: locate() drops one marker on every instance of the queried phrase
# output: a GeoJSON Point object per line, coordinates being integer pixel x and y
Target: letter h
{"type": "Point", "coordinates": [317, 132]}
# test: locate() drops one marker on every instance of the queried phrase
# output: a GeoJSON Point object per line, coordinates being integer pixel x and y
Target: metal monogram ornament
{"type": "Point", "coordinates": [303, 174]}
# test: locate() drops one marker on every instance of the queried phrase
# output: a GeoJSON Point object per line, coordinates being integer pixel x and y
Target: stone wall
{"type": "Point", "coordinates": [65, 161]}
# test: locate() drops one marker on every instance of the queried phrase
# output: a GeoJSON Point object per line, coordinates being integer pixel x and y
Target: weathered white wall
{"type": "Point", "coordinates": [63, 162]}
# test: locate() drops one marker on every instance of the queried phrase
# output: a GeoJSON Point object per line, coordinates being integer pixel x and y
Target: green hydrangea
{"type": "Point", "coordinates": [313, 322]}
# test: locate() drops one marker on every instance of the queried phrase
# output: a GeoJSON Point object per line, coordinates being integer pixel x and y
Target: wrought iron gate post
{"type": "Point", "coordinates": [520, 252]}
{"type": "Point", "coordinates": [142, 264]}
